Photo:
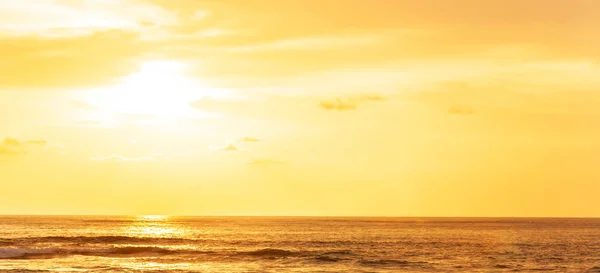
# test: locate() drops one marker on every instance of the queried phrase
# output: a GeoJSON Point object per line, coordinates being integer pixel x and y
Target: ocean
{"type": "Point", "coordinates": [297, 244]}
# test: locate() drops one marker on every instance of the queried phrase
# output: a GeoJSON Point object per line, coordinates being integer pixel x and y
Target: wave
{"type": "Point", "coordinates": [594, 269]}
{"type": "Point", "coordinates": [329, 259]}
{"type": "Point", "coordinates": [151, 251]}
{"type": "Point", "coordinates": [45, 253]}
{"type": "Point", "coordinates": [95, 241]}
{"type": "Point", "coordinates": [270, 252]}
{"type": "Point", "coordinates": [4, 242]}
{"type": "Point", "coordinates": [339, 252]}
{"type": "Point", "coordinates": [8, 253]}
{"type": "Point", "coordinates": [119, 239]}
{"type": "Point", "coordinates": [40, 253]}
{"type": "Point", "coordinates": [98, 240]}
{"type": "Point", "coordinates": [318, 257]}
{"type": "Point", "coordinates": [391, 263]}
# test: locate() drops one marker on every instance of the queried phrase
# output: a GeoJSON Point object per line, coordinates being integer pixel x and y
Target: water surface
{"type": "Point", "coordinates": [286, 244]}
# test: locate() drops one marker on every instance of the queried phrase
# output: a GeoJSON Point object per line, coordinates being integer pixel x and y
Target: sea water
{"type": "Point", "coordinates": [297, 244]}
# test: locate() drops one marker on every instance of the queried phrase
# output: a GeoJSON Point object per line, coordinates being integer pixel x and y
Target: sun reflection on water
{"type": "Point", "coordinates": [146, 265]}
{"type": "Point", "coordinates": [153, 217]}
{"type": "Point", "coordinates": [154, 226]}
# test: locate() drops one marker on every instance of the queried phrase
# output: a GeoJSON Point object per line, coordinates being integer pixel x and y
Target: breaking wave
{"type": "Point", "coordinates": [270, 252]}
{"type": "Point", "coordinates": [392, 263]}
{"type": "Point", "coordinates": [266, 253]}
{"type": "Point", "coordinates": [40, 253]}
{"type": "Point", "coordinates": [100, 240]}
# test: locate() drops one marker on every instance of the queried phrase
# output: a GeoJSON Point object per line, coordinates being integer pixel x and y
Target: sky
{"type": "Point", "coordinates": [316, 107]}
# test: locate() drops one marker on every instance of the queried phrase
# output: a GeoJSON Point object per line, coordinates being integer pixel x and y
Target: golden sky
{"type": "Point", "coordinates": [314, 107]}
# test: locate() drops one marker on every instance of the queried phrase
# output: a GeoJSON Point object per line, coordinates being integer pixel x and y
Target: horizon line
{"type": "Point", "coordinates": [299, 216]}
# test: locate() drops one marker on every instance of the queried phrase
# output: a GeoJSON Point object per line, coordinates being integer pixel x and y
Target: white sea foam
{"type": "Point", "coordinates": [16, 252]}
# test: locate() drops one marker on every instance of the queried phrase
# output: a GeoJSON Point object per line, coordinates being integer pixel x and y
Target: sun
{"type": "Point", "coordinates": [160, 89]}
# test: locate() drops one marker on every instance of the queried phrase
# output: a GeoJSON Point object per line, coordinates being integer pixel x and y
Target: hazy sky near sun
{"type": "Point", "coordinates": [316, 107]}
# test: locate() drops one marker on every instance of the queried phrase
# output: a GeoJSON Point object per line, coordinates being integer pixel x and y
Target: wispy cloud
{"type": "Point", "coordinates": [338, 104]}
{"type": "Point", "coordinates": [36, 142]}
{"type": "Point", "coordinates": [248, 139]}
{"type": "Point", "coordinates": [231, 146]}
{"type": "Point", "coordinates": [12, 146]}
{"type": "Point", "coordinates": [11, 142]}
{"type": "Point", "coordinates": [227, 148]}
{"type": "Point", "coordinates": [76, 55]}
{"type": "Point", "coordinates": [350, 103]}
{"type": "Point", "coordinates": [62, 18]}
{"type": "Point", "coordinates": [368, 97]}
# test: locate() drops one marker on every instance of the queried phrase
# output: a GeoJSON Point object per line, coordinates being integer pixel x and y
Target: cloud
{"type": "Point", "coordinates": [350, 104]}
{"type": "Point", "coordinates": [230, 147]}
{"type": "Point", "coordinates": [37, 142]}
{"type": "Point", "coordinates": [227, 148]}
{"type": "Point", "coordinates": [248, 139]}
{"type": "Point", "coordinates": [460, 110]}
{"type": "Point", "coordinates": [14, 146]}
{"type": "Point", "coordinates": [67, 18]}
{"type": "Point", "coordinates": [338, 104]}
{"type": "Point", "coordinates": [11, 142]}
{"type": "Point", "coordinates": [265, 161]}
{"type": "Point", "coordinates": [116, 157]}
{"type": "Point", "coordinates": [66, 62]}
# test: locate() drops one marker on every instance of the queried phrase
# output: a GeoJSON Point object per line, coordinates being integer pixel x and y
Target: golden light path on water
{"type": "Point", "coordinates": [153, 217]}
{"type": "Point", "coordinates": [155, 226]}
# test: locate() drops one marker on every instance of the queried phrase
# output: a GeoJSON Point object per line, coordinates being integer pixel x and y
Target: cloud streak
{"type": "Point", "coordinates": [338, 105]}
{"type": "Point", "coordinates": [61, 18]}
{"type": "Point", "coordinates": [13, 146]}
{"type": "Point", "coordinates": [248, 139]}
{"type": "Point", "coordinates": [227, 148]}
{"type": "Point", "coordinates": [350, 103]}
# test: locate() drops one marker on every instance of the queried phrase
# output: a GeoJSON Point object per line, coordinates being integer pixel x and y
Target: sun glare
{"type": "Point", "coordinates": [160, 89]}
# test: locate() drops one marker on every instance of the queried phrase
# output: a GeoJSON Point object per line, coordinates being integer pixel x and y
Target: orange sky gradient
{"type": "Point", "coordinates": [317, 107]}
